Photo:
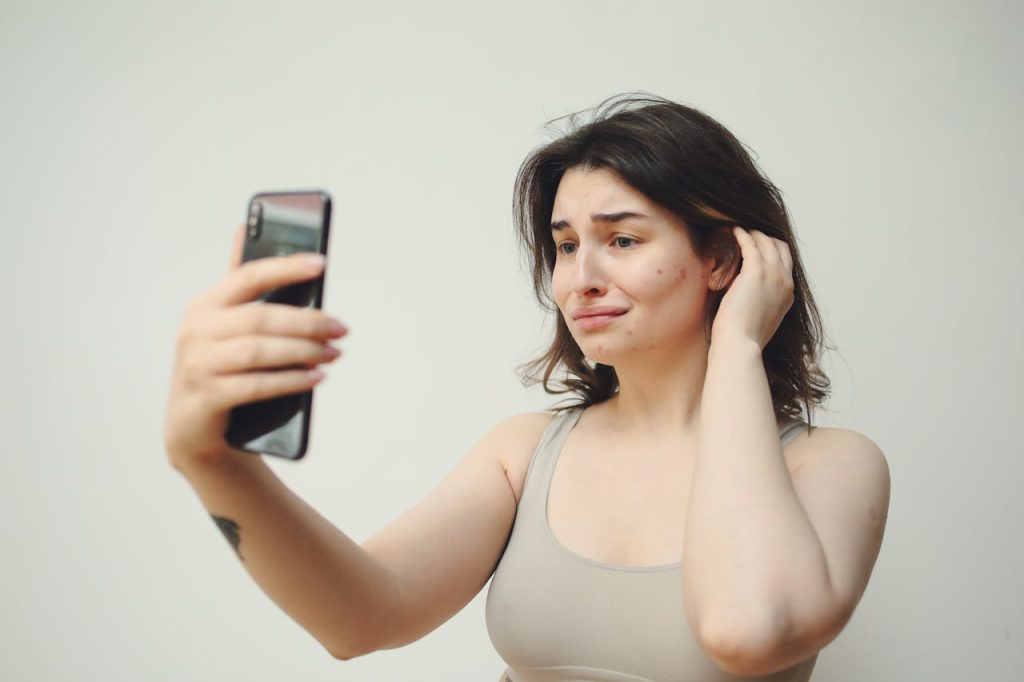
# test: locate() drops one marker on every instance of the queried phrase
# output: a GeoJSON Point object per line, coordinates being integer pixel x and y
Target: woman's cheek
{"type": "Point", "coordinates": [662, 280]}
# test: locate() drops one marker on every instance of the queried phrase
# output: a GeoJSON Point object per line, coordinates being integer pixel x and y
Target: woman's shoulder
{"type": "Point", "coordinates": [515, 439]}
{"type": "Point", "coordinates": [518, 432]}
{"type": "Point", "coordinates": [834, 446]}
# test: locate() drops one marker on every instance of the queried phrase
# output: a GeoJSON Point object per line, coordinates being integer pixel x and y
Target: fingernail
{"type": "Point", "coordinates": [315, 260]}
{"type": "Point", "coordinates": [336, 327]}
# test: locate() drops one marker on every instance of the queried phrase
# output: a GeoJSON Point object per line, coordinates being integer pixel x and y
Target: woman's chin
{"type": "Point", "coordinates": [604, 355]}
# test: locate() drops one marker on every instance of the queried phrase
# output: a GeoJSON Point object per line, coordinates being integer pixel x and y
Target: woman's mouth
{"type": "Point", "coordinates": [590, 319]}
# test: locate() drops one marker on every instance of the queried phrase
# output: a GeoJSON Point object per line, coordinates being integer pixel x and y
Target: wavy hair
{"type": "Point", "coordinates": [688, 163]}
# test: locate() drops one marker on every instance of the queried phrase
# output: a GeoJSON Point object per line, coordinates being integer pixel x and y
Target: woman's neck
{"type": "Point", "coordinates": [660, 394]}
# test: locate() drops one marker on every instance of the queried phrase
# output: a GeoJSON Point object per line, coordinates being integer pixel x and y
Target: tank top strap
{"type": "Point", "coordinates": [533, 502]}
{"type": "Point", "coordinates": [790, 429]}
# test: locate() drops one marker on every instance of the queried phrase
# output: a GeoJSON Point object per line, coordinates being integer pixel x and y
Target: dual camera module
{"type": "Point", "coordinates": [255, 222]}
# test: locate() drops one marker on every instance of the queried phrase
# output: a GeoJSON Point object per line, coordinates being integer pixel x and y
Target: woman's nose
{"type": "Point", "coordinates": [589, 275]}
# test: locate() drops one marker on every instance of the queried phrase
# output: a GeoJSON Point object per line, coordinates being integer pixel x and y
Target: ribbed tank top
{"type": "Point", "coordinates": [555, 616]}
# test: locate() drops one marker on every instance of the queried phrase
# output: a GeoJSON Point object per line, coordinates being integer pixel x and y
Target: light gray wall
{"type": "Point", "coordinates": [134, 133]}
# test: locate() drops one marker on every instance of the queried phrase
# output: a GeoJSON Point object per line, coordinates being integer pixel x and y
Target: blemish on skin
{"type": "Point", "coordinates": [629, 332]}
{"type": "Point", "coordinates": [682, 275]}
{"type": "Point", "coordinates": [659, 271]}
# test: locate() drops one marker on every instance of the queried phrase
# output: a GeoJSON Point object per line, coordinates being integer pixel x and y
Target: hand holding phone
{"type": "Point", "coordinates": [246, 347]}
{"type": "Point", "coordinates": [279, 224]}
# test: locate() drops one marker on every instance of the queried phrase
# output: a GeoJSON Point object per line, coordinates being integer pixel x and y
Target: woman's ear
{"type": "Point", "coordinates": [723, 259]}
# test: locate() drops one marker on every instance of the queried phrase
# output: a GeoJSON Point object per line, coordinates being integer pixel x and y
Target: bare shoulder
{"type": "Point", "coordinates": [843, 485]}
{"type": "Point", "coordinates": [853, 447]}
{"type": "Point", "coordinates": [513, 441]}
{"type": "Point", "coordinates": [830, 459]}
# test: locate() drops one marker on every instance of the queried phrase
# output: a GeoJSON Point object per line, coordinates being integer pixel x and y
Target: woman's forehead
{"type": "Point", "coordinates": [597, 190]}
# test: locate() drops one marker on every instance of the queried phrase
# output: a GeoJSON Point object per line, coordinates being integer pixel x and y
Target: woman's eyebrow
{"type": "Point", "coordinates": [599, 218]}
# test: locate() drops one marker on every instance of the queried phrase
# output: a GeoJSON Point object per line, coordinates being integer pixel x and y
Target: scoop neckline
{"type": "Point", "coordinates": [563, 435]}
{"type": "Point", "coordinates": [549, 475]}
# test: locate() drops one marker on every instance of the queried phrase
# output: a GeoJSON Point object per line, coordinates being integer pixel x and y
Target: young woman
{"type": "Point", "coordinates": [676, 521]}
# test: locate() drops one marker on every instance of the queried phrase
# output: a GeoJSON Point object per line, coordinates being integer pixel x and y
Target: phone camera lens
{"type": "Point", "coordinates": [255, 219]}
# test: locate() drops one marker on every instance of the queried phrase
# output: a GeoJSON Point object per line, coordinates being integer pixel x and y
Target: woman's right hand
{"type": "Point", "coordinates": [227, 351]}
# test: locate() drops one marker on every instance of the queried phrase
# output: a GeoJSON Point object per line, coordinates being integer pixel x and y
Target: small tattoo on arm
{"type": "Point", "coordinates": [230, 528]}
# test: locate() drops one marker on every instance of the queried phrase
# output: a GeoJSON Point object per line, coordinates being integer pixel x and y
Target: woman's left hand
{"type": "Point", "coordinates": [761, 294]}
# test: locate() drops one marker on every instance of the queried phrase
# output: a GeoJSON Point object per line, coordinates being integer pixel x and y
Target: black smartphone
{"type": "Point", "coordinates": [278, 224]}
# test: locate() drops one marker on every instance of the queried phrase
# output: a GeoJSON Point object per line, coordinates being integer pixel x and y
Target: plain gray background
{"type": "Point", "coordinates": [134, 133]}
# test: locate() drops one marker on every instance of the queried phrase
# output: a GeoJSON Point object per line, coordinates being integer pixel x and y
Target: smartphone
{"type": "Point", "coordinates": [278, 224]}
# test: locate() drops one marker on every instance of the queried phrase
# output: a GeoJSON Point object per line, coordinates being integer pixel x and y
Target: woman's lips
{"type": "Point", "coordinates": [589, 320]}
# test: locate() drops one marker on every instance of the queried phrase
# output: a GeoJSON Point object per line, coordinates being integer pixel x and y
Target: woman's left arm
{"type": "Point", "coordinates": [774, 561]}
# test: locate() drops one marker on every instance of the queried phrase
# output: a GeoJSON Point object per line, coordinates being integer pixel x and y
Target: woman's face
{"type": "Point", "coordinates": [626, 278]}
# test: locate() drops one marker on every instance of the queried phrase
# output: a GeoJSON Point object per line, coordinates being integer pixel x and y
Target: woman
{"type": "Point", "coordinates": [687, 333]}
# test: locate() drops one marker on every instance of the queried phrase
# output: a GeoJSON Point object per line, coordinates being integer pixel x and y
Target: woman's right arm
{"type": "Point", "coordinates": [354, 599]}
{"type": "Point", "coordinates": [315, 573]}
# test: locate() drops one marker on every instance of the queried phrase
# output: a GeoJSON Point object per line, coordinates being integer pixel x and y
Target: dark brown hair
{"type": "Point", "coordinates": [688, 163]}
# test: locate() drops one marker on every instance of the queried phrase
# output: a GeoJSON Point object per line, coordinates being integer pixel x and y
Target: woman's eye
{"type": "Point", "coordinates": [566, 248]}
{"type": "Point", "coordinates": [624, 242]}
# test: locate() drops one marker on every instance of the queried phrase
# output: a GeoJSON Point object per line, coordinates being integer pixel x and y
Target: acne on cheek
{"type": "Point", "coordinates": [680, 273]}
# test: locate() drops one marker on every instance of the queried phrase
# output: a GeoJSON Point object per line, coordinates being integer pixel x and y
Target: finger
{"type": "Point", "coordinates": [785, 255]}
{"type": "Point", "coordinates": [237, 389]}
{"type": "Point", "coordinates": [766, 247]}
{"type": "Point", "coordinates": [237, 248]}
{"type": "Point", "coordinates": [253, 278]}
{"type": "Point", "coordinates": [771, 250]}
{"type": "Point", "coordinates": [248, 353]}
{"type": "Point", "coordinates": [276, 319]}
{"type": "Point", "coordinates": [748, 248]}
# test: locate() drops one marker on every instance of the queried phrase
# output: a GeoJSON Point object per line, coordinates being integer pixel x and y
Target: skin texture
{"type": "Point", "coordinates": [778, 545]}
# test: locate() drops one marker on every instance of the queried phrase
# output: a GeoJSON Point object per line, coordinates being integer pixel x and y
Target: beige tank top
{"type": "Point", "coordinates": [555, 616]}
